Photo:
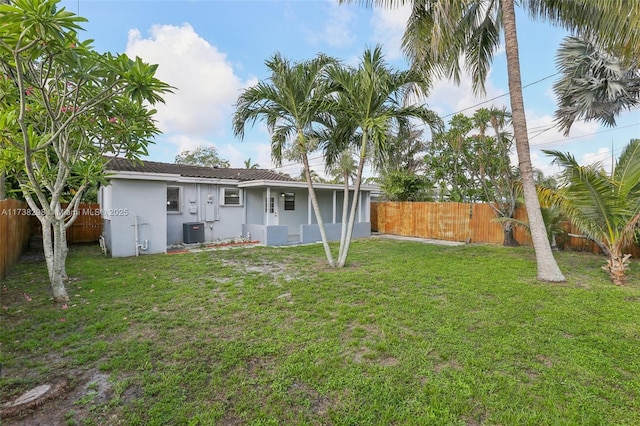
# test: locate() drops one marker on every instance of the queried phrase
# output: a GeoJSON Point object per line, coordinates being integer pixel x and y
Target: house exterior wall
{"type": "Point", "coordinates": [125, 202]}
{"type": "Point", "coordinates": [311, 233]}
{"type": "Point", "coordinates": [325, 202]}
{"type": "Point", "coordinates": [293, 218]}
{"type": "Point", "coordinates": [204, 203]}
{"type": "Point", "coordinates": [231, 218]}
{"type": "Point", "coordinates": [254, 207]}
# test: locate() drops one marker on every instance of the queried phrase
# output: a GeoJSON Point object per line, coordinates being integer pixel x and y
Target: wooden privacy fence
{"type": "Point", "coordinates": [472, 223]}
{"type": "Point", "coordinates": [87, 227]}
{"type": "Point", "coordinates": [15, 231]}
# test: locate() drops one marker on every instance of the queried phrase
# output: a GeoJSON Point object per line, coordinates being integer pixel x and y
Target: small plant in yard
{"type": "Point", "coordinates": [408, 333]}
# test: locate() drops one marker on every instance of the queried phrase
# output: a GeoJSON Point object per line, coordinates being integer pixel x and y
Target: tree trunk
{"type": "Point", "coordinates": [548, 269]}
{"type": "Point", "coordinates": [53, 255]}
{"type": "Point", "coordinates": [58, 289]}
{"type": "Point", "coordinates": [342, 258]}
{"type": "Point", "coordinates": [316, 210]}
{"type": "Point", "coordinates": [616, 266]}
{"type": "Point", "coordinates": [509, 237]}
{"type": "Point", "coordinates": [345, 212]}
{"type": "Point", "coordinates": [63, 249]}
{"type": "Point", "coordinates": [54, 245]}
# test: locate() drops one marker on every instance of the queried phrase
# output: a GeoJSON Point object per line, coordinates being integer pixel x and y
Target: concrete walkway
{"type": "Point", "coordinates": [417, 240]}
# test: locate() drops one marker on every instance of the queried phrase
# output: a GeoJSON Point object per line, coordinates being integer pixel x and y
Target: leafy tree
{"type": "Point", "coordinates": [604, 207]}
{"type": "Point", "coordinates": [405, 185]}
{"type": "Point", "coordinates": [369, 100]}
{"type": "Point", "coordinates": [3, 175]}
{"type": "Point", "coordinates": [405, 151]}
{"type": "Point", "coordinates": [470, 164]}
{"type": "Point", "coordinates": [446, 162]}
{"type": "Point", "coordinates": [63, 106]}
{"type": "Point", "coordinates": [442, 36]}
{"type": "Point", "coordinates": [402, 168]}
{"type": "Point", "coordinates": [205, 156]}
{"type": "Point", "coordinates": [290, 103]}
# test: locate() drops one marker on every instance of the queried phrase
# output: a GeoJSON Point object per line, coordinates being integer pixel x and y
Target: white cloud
{"type": "Point", "coordinates": [336, 31]}
{"type": "Point", "coordinates": [544, 134]}
{"type": "Point", "coordinates": [388, 28]}
{"type": "Point", "coordinates": [602, 156]}
{"type": "Point", "coordinates": [237, 154]}
{"type": "Point", "coordinates": [206, 84]}
{"type": "Point", "coordinates": [188, 143]}
{"type": "Point", "coordinates": [446, 97]}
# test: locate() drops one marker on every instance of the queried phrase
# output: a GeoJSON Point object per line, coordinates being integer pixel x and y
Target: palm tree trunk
{"type": "Point", "coordinates": [345, 212]}
{"type": "Point", "coordinates": [342, 259]}
{"type": "Point", "coordinates": [509, 236]}
{"type": "Point", "coordinates": [548, 269]}
{"type": "Point", "coordinates": [316, 210]}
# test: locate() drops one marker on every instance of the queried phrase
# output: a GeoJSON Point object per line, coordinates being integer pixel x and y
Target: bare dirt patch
{"type": "Point", "coordinates": [58, 401]}
{"type": "Point", "coordinates": [277, 271]}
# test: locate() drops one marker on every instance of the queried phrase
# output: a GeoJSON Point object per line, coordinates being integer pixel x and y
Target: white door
{"type": "Point", "coordinates": [270, 209]}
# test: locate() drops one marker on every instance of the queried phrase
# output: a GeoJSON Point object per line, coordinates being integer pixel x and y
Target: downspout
{"type": "Point", "coordinates": [143, 247]}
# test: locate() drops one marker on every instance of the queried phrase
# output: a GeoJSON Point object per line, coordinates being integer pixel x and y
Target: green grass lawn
{"type": "Point", "coordinates": [408, 333]}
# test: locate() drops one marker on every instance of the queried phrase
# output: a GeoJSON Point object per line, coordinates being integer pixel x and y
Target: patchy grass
{"type": "Point", "coordinates": [408, 333]}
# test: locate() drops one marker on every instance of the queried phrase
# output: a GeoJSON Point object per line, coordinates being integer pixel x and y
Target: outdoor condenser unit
{"type": "Point", "coordinates": [193, 232]}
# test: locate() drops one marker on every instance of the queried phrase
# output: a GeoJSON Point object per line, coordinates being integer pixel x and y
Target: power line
{"type": "Point", "coordinates": [539, 129]}
{"type": "Point", "coordinates": [500, 96]}
{"type": "Point", "coordinates": [583, 136]}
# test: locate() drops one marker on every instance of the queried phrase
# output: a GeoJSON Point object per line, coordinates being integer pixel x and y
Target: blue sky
{"type": "Point", "coordinates": [212, 49]}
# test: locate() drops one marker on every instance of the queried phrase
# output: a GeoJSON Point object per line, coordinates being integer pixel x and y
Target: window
{"type": "Point", "coordinates": [231, 196]}
{"type": "Point", "coordinates": [272, 208]}
{"type": "Point", "coordinates": [173, 199]}
{"type": "Point", "coordinates": [289, 200]}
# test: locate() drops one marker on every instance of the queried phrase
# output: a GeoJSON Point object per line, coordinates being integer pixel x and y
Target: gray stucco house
{"type": "Point", "coordinates": [148, 206]}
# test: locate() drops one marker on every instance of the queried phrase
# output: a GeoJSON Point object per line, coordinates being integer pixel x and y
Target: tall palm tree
{"type": "Point", "coordinates": [442, 36]}
{"type": "Point", "coordinates": [606, 208]}
{"type": "Point", "coordinates": [290, 103]}
{"type": "Point", "coordinates": [371, 98]}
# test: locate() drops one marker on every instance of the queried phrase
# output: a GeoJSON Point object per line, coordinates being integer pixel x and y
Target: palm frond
{"type": "Point", "coordinates": [595, 85]}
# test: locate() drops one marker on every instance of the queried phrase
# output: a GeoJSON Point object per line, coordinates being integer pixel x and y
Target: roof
{"type": "Point", "coordinates": [124, 165]}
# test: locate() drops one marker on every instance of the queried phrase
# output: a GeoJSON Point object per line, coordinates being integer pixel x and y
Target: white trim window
{"type": "Point", "coordinates": [289, 200]}
{"type": "Point", "coordinates": [173, 199]}
{"type": "Point", "coordinates": [231, 197]}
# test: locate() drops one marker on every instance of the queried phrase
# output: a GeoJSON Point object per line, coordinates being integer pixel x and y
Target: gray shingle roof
{"type": "Point", "coordinates": [124, 165]}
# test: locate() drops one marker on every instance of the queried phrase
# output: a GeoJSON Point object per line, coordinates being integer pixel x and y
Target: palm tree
{"type": "Point", "coordinates": [606, 208]}
{"type": "Point", "coordinates": [369, 100]}
{"type": "Point", "coordinates": [249, 165]}
{"type": "Point", "coordinates": [290, 104]}
{"type": "Point", "coordinates": [440, 34]}
{"type": "Point", "coordinates": [595, 84]}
